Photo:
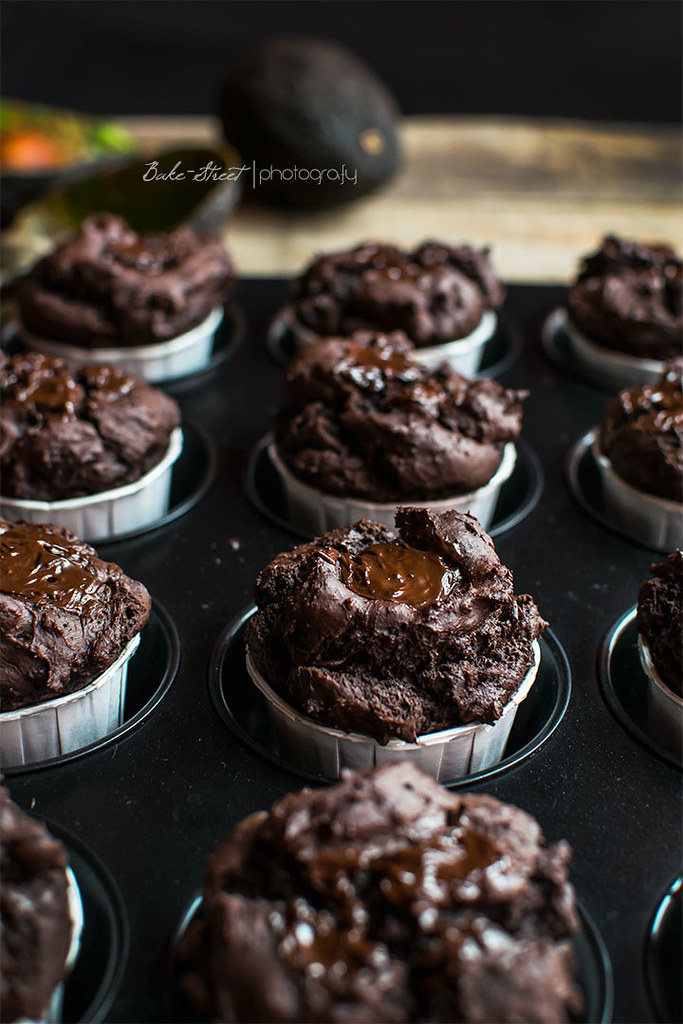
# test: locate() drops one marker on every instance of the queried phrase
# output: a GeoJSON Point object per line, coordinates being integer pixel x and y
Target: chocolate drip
{"type": "Point", "coordinates": [394, 572]}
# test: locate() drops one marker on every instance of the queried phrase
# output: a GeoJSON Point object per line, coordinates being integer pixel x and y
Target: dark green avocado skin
{"type": "Point", "coordinates": [310, 104]}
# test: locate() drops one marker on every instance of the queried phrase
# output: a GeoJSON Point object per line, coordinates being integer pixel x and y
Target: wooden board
{"type": "Point", "coordinates": [540, 192]}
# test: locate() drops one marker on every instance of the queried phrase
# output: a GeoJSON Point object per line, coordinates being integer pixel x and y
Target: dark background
{"type": "Point", "coordinates": [599, 59]}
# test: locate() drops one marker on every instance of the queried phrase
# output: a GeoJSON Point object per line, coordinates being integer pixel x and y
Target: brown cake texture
{"type": "Point", "coordinates": [65, 615]}
{"type": "Point", "coordinates": [629, 297]}
{"type": "Point", "coordinates": [660, 619]}
{"type": "Point", "coordinates": [35, 933]}
{"type": "Point", "coordinates": [435, 293]}
{"type": "Point", "coordinates": [642, 434]}
{"type": "Point", "coordinates": [385, 898]}
{"type": "Point", "coordinates": [107, 286]}
{"type": "Point", "coordinates": [360, 417]}
{"type": "Point", "coordinates": [68, 431]}
{"type": "Point", "coordinates": [394, 634]}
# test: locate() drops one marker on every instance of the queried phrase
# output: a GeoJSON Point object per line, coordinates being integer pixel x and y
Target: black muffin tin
{"type": "Point", "coordinates": [152, 802]}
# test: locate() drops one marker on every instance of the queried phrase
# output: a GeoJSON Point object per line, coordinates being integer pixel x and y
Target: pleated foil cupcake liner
{"type": "Point", "coordinates": [653, 521]}
{"type": "Point", "coordinates": [614, 370]}
{"type": "Point", "coordinates": [665, 708]}
{"type": "Point", "coordinates": [463, 355]}
{"type": "Point", "coordinates": [313, 511]}
{"type": "Point", "coordinates": [59, 726]}
{"type": "Point", "coordinates": [111, 513]}
{"type": "Point", "coordinates": [449, 755]}
{"type": "Point", "coordinates": [160, 361]}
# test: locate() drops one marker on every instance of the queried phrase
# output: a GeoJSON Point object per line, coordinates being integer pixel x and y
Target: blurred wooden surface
{"type": "Point", "coordinates": [540, 192]}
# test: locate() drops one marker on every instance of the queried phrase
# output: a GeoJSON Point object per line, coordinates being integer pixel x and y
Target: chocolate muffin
{"type": "Point", "coordinates": [36, 926]}
{"type": "Point", "coordinates": [386, 898]}
{"type": "Point", "coordinates": [642, 435]}
{"type": "Point", "coordinates": [65, 615]}
{"type": "Point", "coordinates": [107, 286]}
{"type": "Point", "coordinates": [394, 635]}
{"type": "Point", "coordinates": [436, 293]}
{"type": "Point", "coordinates": [629, 297]}
{"type": "Point", "coordinates": [68, 431]}
{"type": "Point", "coordinates": [359, 417]}
{"type": "Point", "coordinates": [660, 619]}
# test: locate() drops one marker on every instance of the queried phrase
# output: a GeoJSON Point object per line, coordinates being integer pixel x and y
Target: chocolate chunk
{"type": "Point", "coordinates": [358, 417]}
{"type": "Point", "coordinates": [642, 435]}
{"type": "Point", "coordinates": [385, 898]}
{"type": "Point", "coordinates": [36, 927]}
{"type": "Point", "coordinates": [350, 644]}
{"type": "Point", "coordinates": [629, 297]}
{"type": "Point", "coordinates": [65, 615]}
{"type": "Point", "coordinates": [107, 286]}
{"type": "Point", "coordinates": [436, 293]}
{"type": "Point", "coordinates": [68, 431]}
{"type": "Point", "coordinates": [660, 619]}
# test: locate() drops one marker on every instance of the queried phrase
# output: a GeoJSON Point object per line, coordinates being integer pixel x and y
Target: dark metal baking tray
{"type": "Point", "coordinates": [154, 802]}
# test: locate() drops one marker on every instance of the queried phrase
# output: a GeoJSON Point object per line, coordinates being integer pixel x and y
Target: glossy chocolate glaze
{"type": "Point", "coordinates": [642, 435]}
{"type": "Point", "coordinates": [36, 926]}
{"type": "Point", "coordinates": [435, 293]}
{"type": "Point", "coordinates": [68, 431]}
{"type": "Point", "coordinates": [384, 898]}
{"type": "Point", "coordinates": [660, 619]}
{"type": "Point", "coordinates": [107, 286]}
{"type": "Point", "coordinates": [360, 418]}
{"type": "Point", "coordinates": [65, 615]}
{"type": "Point", "coordinates": [348, 638]}
{"type": "Point", "coordinates": [629, 297]}
{"type": "Point", "coordinates": [394, 572]}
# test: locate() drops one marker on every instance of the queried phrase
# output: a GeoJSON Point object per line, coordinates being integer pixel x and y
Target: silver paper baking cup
{"type": "Point", "coordinates": [653, 521]}
{"type": "Point", "coordinates": [448, 755]}
{"type": "Point", "coordinates": [615, 370]}
{"type": "Point", "coordinates": [665, 708]}
{"type": "Point", "coordinates": [59, 726]}
{"type": "Point", "coordinates": [161, 361]}
{"type": "Point", "coordinates": [111, 513]}
{"type": "Point", "coordinates": [53, 1013]}
{"type": "Point", "coordinates": [463, 355]}
{"type": "Point", "coordinates": [313, 511]}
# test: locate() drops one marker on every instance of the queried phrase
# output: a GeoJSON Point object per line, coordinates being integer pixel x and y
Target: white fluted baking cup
{"type": "Point", "coordinates": [111, 513]}
{"type": "Point", "coordinates": [651, 520]}
{"type": "Point", "coordinates": [160, 361]}
{"type": "Point", "coordinates": [448, 755]}
{"type": "Point", "coordinates": [665, 708]}
{"type": "Point", "coordinates": [59, 726]}
{"type": "Point", "coordinates": [53, 1013]}
{"type": "Point", "coordinates": [313, 511]}
{"type": "Point", "coordinates": [615, 370]}
{"type": "Point", "coordinates": [463, 355]}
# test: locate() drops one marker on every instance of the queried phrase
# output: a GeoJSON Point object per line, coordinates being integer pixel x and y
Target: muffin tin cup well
{"type": "Point", "coordinates": [96, 973]}
{"type": "Point", "coordinates": [109, 514]}
{"type": "Point", "coordinates": [448, 755]}
{"type": "Point", "coordinates": [516, 494]}
{"type": "Point", "coordinates": [27, 746]}
{"type": "Point", "coordinates": [567, 346]}
{"type": "Point", "coordinates": [319, 753]}
{"type": "Point", "coordinates": [664, 955]}
{"type": "Point", "coordinates": [629, 692]}
{"type": "Point", "coordinates": [594, 971]}
{"type": "Point", "coordinates": [161, 361]}
{"type": "Point", "coordinates": [313, 512]}
{"type": "Point", "coordinates": [665, 708]}
{"type": "Point", "coordinates": [658, 522]}
{"type": "Point", "coordinates": [67, 723]}
{"type": "Point", "coordinates": [652, 522]}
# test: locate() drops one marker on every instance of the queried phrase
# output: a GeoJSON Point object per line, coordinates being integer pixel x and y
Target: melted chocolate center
{"type": "Point", "coordinates": [42, 566]}
{"type": "Point", "coordinates": [394, 572]}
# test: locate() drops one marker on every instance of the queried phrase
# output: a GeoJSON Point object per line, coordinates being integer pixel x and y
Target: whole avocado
{"type": "Point", "coordinates": [307, 105]}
